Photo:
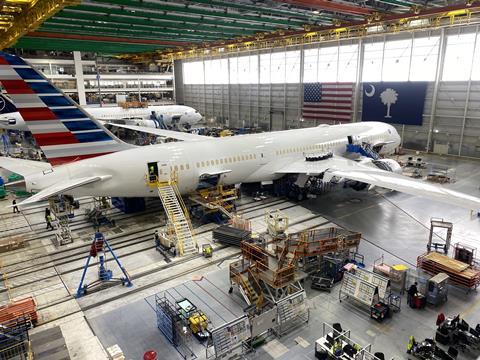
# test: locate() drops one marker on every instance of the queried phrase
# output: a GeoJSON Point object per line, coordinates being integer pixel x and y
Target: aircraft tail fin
{"type": "Point", "coordinates": [6, 105]}
{"type": "Point", "coordinates": [61, 128]}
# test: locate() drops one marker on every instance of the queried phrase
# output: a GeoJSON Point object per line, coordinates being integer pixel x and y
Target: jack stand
{"type": "Point", "coordinates": [100, 247]}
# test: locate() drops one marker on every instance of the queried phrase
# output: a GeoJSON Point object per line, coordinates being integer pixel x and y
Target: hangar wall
{"type": "Point", "coordinates": [451, 112]}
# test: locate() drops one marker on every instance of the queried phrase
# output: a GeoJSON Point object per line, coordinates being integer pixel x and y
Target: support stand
{"type": "Point", "coordinates": [100, 247]}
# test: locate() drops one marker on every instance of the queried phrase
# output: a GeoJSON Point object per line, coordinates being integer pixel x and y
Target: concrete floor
{"type": "Point", "coordinates": [394, 225]}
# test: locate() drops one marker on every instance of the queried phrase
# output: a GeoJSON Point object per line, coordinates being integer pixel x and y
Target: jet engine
{"type": "Point", "coordinates": [384, 164]}
{"type": "Point", "coordinates": [388, 165]}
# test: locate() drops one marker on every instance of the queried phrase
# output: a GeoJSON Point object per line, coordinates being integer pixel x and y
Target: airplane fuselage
{"type": "Point", "coordinates": [172, 115]}
{"type": "Point", "coordinates": [238, 159]}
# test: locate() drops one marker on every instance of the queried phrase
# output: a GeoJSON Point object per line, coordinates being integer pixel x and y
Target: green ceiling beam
{"type": "Point", "coordinates": [145, 16]}
{"type": "Point", "coordinates": [151, 23]}
{"type": "Point", "coordinates": [101, 47]}
{"type": "Point", "coordinates": [311, 19]}
{"type": "Point", "coordinates": [195, 11]}
{"type": "Point", "coordinates": [405, 4]}
{"type": "Point", "coordinates": [67, 25]}
{"type": "Point", "coordinates": [120, 33]}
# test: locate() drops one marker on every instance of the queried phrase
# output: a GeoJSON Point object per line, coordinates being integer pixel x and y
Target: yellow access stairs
{"type": "Point", "coordinates": [249, 288]}
{"type": "Point", "coordinates": [178, 216]}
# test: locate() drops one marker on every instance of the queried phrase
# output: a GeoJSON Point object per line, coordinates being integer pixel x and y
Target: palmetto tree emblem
{"type": "Point", "coordinates": [388, 97]}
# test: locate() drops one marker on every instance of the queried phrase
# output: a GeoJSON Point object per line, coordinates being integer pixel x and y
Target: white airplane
{"type": "Point", "coordinates": [85, 159]}
{"type": "Point", "coordinates": [155, 116]}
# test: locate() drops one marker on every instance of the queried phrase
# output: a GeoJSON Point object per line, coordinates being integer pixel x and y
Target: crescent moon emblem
{"type": "Point", "coordinates": [371, 92]}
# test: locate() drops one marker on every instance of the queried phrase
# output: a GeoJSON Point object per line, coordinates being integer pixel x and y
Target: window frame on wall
{"type": "Point", "coordinates": [374, 60]}
{"type": "Point", "coordinates": [219, 69]}
{"type": "Point", "coordinates": [475, 76]}
{"type": "Point", "coordinates": [327, 63]}
{"type": "Point", "coordinates": [193, 73]}
{"type": "Point", "coordinates": [424, 58]}
{"type": "Point", "coordinates": [396, 59]}
{"type": "Point", "coordinates": [456, 45]}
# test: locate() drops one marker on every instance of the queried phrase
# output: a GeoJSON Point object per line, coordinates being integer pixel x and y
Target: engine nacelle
{"type": "Point", "coordinates": [384, 164]}
{"type": "Point", "coordinates": [388, 165]}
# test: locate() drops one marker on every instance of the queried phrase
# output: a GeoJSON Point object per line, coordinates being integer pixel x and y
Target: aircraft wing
{"type": "Point", "coordinates": [164, 133]}
{"type": "Point", "coordinates": [23, 167]}
{"type": "Point", "coordinates": [348, 169]}
{"type": "Point", "coordinates": [62, 187]}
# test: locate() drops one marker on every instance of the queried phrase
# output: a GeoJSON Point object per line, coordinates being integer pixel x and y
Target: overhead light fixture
{"type": "Point", "coordinates": [316, 12]}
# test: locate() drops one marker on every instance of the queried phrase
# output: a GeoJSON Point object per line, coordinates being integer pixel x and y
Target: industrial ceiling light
{"type": "Point", "coordinates": [316, 12]}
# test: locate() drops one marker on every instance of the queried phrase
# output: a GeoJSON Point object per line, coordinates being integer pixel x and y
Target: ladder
{"type": "Point", "coordinates": [178, 216]}
{"type": "Point", "coordinates": [247, 290]}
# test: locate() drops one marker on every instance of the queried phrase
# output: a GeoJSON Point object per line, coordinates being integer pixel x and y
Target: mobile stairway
{"type": "Point", "coordinates": [363, 149]}
{"type": "Point", "coordinates": [177, 214]}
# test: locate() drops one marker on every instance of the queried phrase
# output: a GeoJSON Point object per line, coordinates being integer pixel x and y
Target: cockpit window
{"type": "Point", "coordinates": [389, 131]}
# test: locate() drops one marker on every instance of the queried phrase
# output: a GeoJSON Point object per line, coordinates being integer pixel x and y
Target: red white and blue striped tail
{"type": "Point", "coordinates": [64, 132]}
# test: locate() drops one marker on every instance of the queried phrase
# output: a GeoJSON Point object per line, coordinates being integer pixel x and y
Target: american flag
{"type": "Point", "coordinates": [328, 102]}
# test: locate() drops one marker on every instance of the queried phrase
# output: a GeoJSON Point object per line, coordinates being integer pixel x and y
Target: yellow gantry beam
{"type": "Point", "coordinates": [18, 17]}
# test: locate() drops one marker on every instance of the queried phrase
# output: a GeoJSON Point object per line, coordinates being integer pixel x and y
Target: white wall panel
{"type": "Point", "coordinates": [262, 96]}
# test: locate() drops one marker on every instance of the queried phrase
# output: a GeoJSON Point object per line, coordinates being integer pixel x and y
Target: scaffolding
{"type": "Point", "coordinates": [275, 271]}
{"type": "Point", "coordinates": [306, 248]}
{"type": "Point", "coordinates": [98, 213]}
{"type": "Point", "coordinates": [216, 201]}
{"type": "Point", "coordinates": [62, 208]}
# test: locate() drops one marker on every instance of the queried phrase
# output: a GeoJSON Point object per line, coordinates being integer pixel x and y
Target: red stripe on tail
{"type": "Point", "coordinates": [60, 138]}
{"type": "Point", "coordinates": [17, 87]}
{"type": "Point", "coordinates": [68, 159]}
{"type": "Point", "coordinates": [38, 113]}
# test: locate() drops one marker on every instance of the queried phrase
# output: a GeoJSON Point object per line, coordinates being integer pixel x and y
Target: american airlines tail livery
{"type": "Point", "coordinates": [177, 117]}
{"type": "Point", "coordinates": [85, 159]}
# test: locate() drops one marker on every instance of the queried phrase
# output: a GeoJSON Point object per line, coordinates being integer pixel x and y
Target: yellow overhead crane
{"type": "Point", "coordinates": [19, 17]}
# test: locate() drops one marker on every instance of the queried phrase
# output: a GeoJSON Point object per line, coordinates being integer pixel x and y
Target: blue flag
{"type": "Point", "coordinates": [394, 102]}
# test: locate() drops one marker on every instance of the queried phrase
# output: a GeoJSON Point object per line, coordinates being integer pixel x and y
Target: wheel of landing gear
{"type": "Point", "coordinates": [230, 290]}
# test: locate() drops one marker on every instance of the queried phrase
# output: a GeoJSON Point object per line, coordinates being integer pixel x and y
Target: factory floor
{"type": "Point", "coordinates": [392, 224]}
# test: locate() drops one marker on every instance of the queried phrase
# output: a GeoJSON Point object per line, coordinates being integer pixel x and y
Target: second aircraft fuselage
{"type": "Point", "coordinates": [238, 159]}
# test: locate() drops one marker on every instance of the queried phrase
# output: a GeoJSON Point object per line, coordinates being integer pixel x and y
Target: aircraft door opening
{"type": "Point", "coordinates": [152, 172]}
{"type": "Point", "coordinates": [164, 172]}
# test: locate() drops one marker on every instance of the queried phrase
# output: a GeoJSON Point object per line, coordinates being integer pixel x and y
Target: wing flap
{"type": "Point", "coordinates": [348, 169]}
{"type": "Point", "coordinates": [62, 187]}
